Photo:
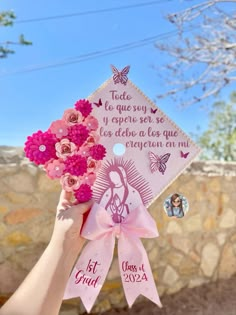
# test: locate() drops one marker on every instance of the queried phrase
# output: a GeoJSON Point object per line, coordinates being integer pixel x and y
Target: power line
{"type": "Point", "coordinates": [96, 54]}
{"type": "Point", "coordinates": [63, 16]}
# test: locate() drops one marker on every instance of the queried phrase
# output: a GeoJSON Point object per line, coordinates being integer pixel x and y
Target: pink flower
{"type": "Point", "coordinates": [65, 148]}
{"type": "Point", "coordinates": [70, 182]}
{"type": "Point", "coordinates": [84, 106]}
{"type": "Point", "coordinates": [40, 147]}
{"type": "Point", "coordinates": [91, 123]}
{"type": "Point", "coordinates": [54, 168]}
{"type": "Point", "coordinates": [84, 150]}
{"type": "Point", "coordinates": [78, 134]}
{"type": "Point", "coordinates": [89, 179]}
{"type": "Point", "coordinates": [76, 165]}
{"type": "Point", "coordinates": [92, 165]}
{"type": "Point", "coordinates": [72, 117]}
{"type": "Point", "coordinates": [84, 193]}
{"type": "Point", "coordinates": [59, 128]}
{"type": "Point", "coordinates": [92, 139]}
{"type": "Point", "coordinates": [97, 152]}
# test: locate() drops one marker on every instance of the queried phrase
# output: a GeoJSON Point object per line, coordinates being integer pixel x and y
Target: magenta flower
{"type": "Point", "coordinates": [84, 193]}
{"type": "Point", "coordinates": [84, 106]}
{"type": "Point", "coordinates": [97, 152]}
{"type": "Point", "coordinates": [59, 128]}
{"type": "Point", "coordinates": [40, 147]}
{"type": "Point", "coordinates": [70, 182]}
{"type": "Point", "coordinates": [93, 165]}
{"type": "Point", "coordinates": [72, 117]}
{"type": "Point", "coordinates": [76, 165]}
{"type": "Point", "coordinates": [54, 168]}
{"type": "Point", "coordinates": [91, 123]}
{"type": "Point", "coordinates": [65, 148]}
{"type": "Point", "coordinates": [89, 179]}
{"type": "Point", "coordinates": [78, 134]}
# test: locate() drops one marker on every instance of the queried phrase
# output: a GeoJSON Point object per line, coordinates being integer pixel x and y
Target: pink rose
{"type": "Point", "coordinates": [72, 117]}
{"type": "Point", "coordinates": [93, 165]}
{"type": "Point", "coordinates": [65, 148]}
{"type": "Point", "coordinates": [92, 139]}
{"type": "Point", "coordinates": [70, 182]}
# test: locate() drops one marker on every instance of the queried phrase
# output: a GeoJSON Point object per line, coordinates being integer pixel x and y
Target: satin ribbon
{"type": "Point", "coordinates": [90, 271]}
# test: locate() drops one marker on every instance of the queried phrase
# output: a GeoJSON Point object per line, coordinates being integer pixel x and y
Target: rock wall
{"type": "Point", "coordinates": [196, 249]}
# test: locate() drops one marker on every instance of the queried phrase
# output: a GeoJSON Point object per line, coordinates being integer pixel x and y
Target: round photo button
{"type": "Point", "coordinates": [176, 205]}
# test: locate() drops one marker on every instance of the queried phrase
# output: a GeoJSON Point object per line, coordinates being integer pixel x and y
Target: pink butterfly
{"type": "Point", "coordinates": [99, 103]}
{"type": "Point", "coordinates": [120, 76]}
{"type": "Point", "coordinates": [153, 111]}
{"type": "Point", "coordinates": [158, 162]}
{"type": "Point", "coordinates": [184, 155]}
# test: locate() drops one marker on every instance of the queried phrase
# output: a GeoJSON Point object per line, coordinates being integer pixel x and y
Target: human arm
{"type": "Point", "coordinates": [42, 291]}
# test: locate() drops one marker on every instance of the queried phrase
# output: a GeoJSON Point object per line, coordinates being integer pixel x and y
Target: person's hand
{"type": "Point", "coordinates": [68, 222]}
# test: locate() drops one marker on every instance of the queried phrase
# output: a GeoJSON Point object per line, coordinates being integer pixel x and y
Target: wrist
{"type": "Point", "coordinates": [66, 245]}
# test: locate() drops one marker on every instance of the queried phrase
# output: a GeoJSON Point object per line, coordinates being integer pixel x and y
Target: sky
{"type": "Point", "coordinates": [71, 57]}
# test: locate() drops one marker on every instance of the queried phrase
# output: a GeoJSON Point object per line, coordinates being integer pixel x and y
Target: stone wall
{"type": "Point", "coordinates": [196, 249]}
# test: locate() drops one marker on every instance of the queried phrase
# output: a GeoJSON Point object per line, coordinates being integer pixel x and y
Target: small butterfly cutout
{"type": "Point", "coordinates": [158, 162]}
{"type": "Point", "coordinates": [120, 76]}
{"type": "Point", "coordinates": [99, 103]}
{"type": "Point", "coordinates": [184, 155]}
{"type": "Point", "coordinates": [153, 111]}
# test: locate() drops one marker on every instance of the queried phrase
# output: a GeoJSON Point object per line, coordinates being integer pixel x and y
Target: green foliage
{"type": "Point", "coordinates": [7, 19]}
{"type": "Point", "coordinates": [219, 141]}
{"type": "Point", "coordinates": [22, 40]}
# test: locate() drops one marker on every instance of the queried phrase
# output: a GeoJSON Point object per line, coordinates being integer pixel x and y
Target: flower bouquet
{"type": "Point", "coordinates": [69, 150]}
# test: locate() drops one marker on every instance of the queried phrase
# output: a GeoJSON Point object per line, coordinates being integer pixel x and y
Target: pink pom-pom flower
{"type": "Point", "coordinates": [40, 147]}
{"type": "Point", "coordinates": [76, 165]}
{"type": "Point", "coordinates": [78, 134]}
{"type": "Point", "coordinates": [84, 193]}
{"type": "Point", "coordinates": [84, 106]}
{"type": "Point", "coordinates": [97, 152]}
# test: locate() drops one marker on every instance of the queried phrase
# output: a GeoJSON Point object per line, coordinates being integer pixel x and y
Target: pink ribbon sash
{"type": "Point", "coordinates": [90, 271]}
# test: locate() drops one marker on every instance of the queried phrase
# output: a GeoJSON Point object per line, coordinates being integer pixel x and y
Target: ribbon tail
{"type": "Point", "coordinates": [90, 271]}
{"type": "Point", "coordinates": [135, 270]}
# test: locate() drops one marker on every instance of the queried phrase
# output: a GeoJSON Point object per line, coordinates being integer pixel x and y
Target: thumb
{"type": "Point", "coordinates": [82, 208]}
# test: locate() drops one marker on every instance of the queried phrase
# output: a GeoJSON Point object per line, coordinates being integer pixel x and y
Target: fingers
{"type": "Point", "coordinates": [65, 203]}
{"type": "Point", "coordinates": [65, 195]}
{"type": "Point", "coordinates": [64, 200]}
{"type": "Point", "coordinates": [84, 207]}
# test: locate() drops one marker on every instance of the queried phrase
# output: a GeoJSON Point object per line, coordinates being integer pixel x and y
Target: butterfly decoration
{"type": "Point", "coordinates": [99, 104]}
{"type": "Point", "coordinates": [120, 76]}
{"type": "Point", "coordinates": [184, 155]}
{"type": "Point", "coordinates": [153, 111]}
{"type": "Point", "coordinates": [158, 162]}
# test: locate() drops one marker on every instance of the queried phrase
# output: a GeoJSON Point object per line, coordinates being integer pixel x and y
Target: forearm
{"type": "Point", "coordinates": [42, 291]}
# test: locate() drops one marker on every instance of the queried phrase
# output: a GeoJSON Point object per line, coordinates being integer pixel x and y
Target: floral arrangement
{"type": "Point", "coordinates": [69, 150]}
